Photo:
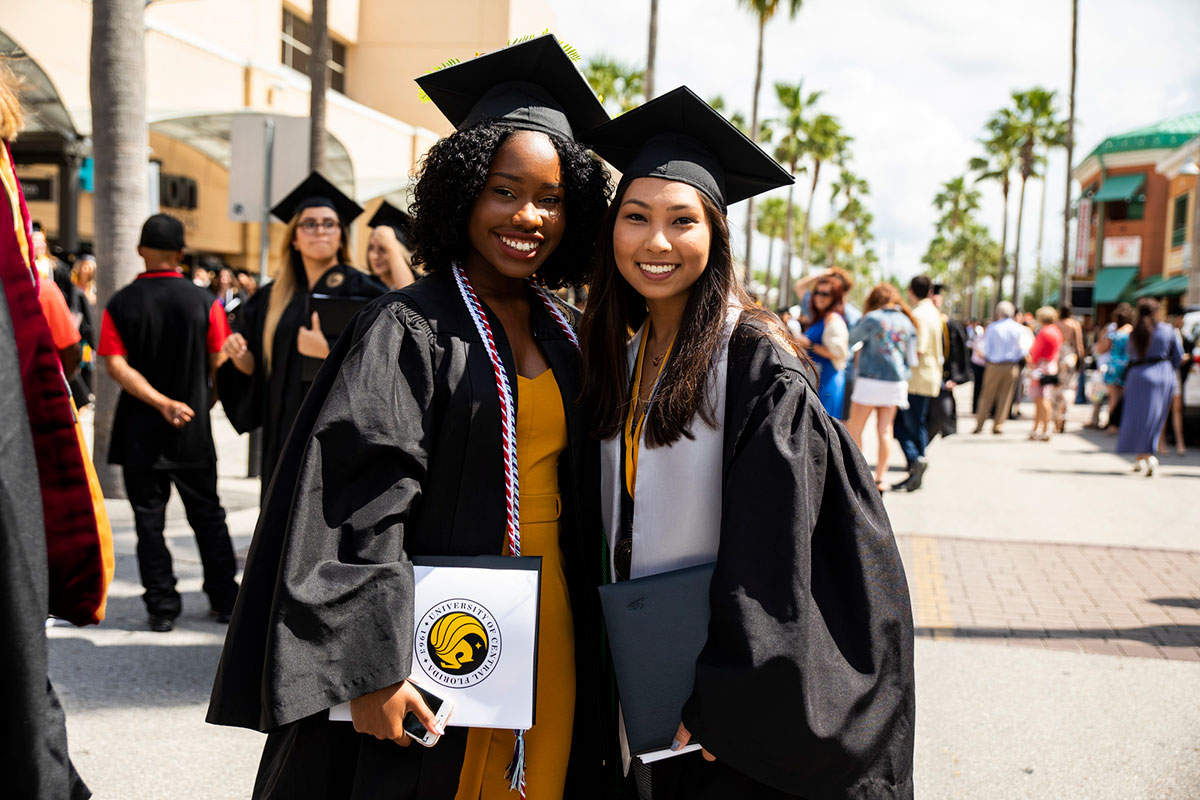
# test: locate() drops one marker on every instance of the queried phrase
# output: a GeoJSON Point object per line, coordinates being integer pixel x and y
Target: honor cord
{"type": "Point", "coordinates": [508, 436]}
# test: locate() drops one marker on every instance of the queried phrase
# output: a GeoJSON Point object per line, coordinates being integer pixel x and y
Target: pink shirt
{"type": "Point", "coordinates": [1047, 344]}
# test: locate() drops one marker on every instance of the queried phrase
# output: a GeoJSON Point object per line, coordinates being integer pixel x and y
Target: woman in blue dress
{"type": "Point", "coordinates": [828, 342]}
{"type": "Point", "coordinates": [1154, 355]}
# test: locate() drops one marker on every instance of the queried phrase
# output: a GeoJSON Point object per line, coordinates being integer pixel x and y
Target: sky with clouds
{"type": "Point", "coordinates": [914, 80]}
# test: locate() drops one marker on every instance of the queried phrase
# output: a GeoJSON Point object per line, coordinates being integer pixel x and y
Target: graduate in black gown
{"type": "Point", "coordinates": [715, 447]}
{"type": "Point", "coordinates": [397, 453]}
{"type": "Point", "coordinates": [265, 379]}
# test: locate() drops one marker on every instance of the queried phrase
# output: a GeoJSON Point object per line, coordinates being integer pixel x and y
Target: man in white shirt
{"type": "Point", "coordinates": [1005, 343]}
{"type": "Point", "coordinates": [924, 384]}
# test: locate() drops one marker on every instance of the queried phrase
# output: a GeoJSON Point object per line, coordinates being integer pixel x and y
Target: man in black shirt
{"type": "Point", "coordinates": [161, 337]}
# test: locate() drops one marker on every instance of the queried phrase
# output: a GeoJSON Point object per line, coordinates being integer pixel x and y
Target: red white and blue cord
{"type": "Point", "coordinates": [508, 437]}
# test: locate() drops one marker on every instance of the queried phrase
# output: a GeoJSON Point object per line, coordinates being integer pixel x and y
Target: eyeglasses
{"type": "Point", "coordinates": [311, 226]}
{"type": "Point", "coordinates": [822, 294]}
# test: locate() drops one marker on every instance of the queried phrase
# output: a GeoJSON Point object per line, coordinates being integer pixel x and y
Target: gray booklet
{"type": "Point", "coordinates": [657, 626]}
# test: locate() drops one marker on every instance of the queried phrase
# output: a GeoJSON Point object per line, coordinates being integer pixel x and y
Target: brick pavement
{"type": "Point", "coordinates": [1092, 599]}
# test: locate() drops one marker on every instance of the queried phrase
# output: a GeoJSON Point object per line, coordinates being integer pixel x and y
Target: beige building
{"type": "Point", "coordinates": [208, 60]}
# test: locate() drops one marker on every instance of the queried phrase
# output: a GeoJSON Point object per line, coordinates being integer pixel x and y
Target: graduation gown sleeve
{"type": "Point", "coordinates": [241, 394]}
{"type": "Point", "coordinates": [810, 635]}
{"type": "Point", "coordinates": [325, 611]}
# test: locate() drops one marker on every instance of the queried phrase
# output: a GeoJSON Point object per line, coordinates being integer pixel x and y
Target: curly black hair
{"type": "Point", "coordinates": [454, 172]}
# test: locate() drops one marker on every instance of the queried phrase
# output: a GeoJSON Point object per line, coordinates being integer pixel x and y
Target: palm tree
{"type": "Point", "coordinates": [1033, 126]}
{"type": "Point", "coordinates": [849, 184]}
{"type": "Point", "coordinates": [998, 165]}
{"type": "Point", "coordinates": [956, 203]}
{"type": "Point", "coordinates": [823, 141]}
{"type": "Point", "coordinates": [1065, 277]}
{"type": "Point", "coordinates": [790, 149]}
{"type": "Point", "coordinates": [619, 86]}
{"type": "Point", "coordinates": [1056, 136]}
{"type": "Point", "coordinates": [120, 148]}
{"type": "Point", "coordinates": [318, 74]}
{"type": "Point", "coordinates": [772, 223]}
{"type": "Point", "coordinates": [763, 10]}
{"type": "Point", "coordinates": [651, 49]}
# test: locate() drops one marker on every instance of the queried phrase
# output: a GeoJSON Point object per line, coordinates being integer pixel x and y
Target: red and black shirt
{"type": "Point", "coordinates": [166, 327]}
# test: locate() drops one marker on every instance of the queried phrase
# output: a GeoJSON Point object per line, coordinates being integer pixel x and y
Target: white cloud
{"type": "Point", "coordinates": [914, 80]}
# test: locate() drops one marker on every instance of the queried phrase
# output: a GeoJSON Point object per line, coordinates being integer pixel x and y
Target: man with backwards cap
{"type": "Point", "coordinates": [798, 683]}
{"type": "Point", "coordinates": [161, 337]}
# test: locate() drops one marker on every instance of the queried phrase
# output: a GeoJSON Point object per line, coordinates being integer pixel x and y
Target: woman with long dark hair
{"type": "Point", "coordinates": [828, 341]}
{"type": "Point", "coordinates": [402, 451]}
{"type": "Point", "coordinates": [1154, 356]}
{"type": "Point", "coordinates": [265, 378]}
{"type": "Point", "coordinates": [715, 448]}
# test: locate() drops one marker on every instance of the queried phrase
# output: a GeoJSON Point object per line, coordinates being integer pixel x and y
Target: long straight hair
{"type": "Point", "coordinates": [1143, 329]}
{"type": "Point", "coordinates": [615, 310]}
{"type": "Point", "coordinates": [289, 276]}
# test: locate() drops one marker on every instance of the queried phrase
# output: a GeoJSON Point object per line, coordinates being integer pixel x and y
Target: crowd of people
{"type": "Point", "coordinates": [902, 361]}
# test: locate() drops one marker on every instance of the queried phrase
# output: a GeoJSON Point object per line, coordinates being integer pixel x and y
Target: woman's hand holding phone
{"type": "Point", "coordinates": [381, 713]}
{"type": "Point", "coordinates": [682, 737]}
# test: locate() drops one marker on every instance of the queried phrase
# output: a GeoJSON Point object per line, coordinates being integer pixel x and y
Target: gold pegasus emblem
{"type": "Point", "coordinates": [457, 639]}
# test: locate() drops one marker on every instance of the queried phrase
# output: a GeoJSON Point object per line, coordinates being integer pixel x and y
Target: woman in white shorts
{"type": "Point", "coordinates": [888, 334]}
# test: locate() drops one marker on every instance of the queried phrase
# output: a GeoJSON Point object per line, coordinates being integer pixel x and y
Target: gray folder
{"type": "Point", "coordinates": [657, 627]}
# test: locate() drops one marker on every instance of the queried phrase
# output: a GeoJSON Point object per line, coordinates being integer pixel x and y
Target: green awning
{"type": "Point", "coordinates": [1119, 188]}
{"type": "Point", "coordinates": [1111, 283]}
{"type": "Point", "coordinates": [1163, 287]}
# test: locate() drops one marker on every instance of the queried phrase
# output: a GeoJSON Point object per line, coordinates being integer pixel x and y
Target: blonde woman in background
{"type": "Point", "coordinates": [389, 250]}
{"type": "Point", "coordinates": [263, 382]}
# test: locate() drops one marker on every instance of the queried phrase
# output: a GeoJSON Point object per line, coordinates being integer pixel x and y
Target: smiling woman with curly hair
{"type": "Point", "coordinates": [400, 451]}
{"type": "Point", "coordinates": [455, 172]}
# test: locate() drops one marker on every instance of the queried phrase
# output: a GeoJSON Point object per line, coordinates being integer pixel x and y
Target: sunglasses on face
{"type": "Point", "coordinates": [311, 226]}
{"type": "Point", "coordinates": [822, 294]}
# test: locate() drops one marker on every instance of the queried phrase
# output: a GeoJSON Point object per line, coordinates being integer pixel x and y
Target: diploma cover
{"type": "Point", "coordinates": [475, 637]}
{"type": "Point", "coordinates": [335, 314]}
{"type": "Point", "coordinates": [657, 626]}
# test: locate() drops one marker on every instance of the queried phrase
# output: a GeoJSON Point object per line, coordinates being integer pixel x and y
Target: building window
{"type": "Point", "coordinates": [1179, 221]}
{"type": "Point", "coordinates": [1120, 211]}
{"type": "Point", "coordinates": [296, 41]}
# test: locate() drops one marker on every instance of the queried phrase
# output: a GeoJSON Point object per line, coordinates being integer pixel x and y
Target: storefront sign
{"type": "Point", "coordinates": [37, 190]}
{"type": "Point", "coordinates": [1122, 251]}
{"type": "Point", "coordinates": [1083, 232]}
{"type": "Point", "coordinates": [177, 191]}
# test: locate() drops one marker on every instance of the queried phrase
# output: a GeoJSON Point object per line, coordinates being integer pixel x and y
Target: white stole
{"type": "Point", "coordinates": [678, 494]}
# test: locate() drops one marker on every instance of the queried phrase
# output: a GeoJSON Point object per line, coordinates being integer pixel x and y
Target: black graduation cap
{"type": "Point", "coordinates": [680, 137]}
{"type": "Point", "coordinates": [316, 192]}
{"type": "Point", "coordinates": [533, 86]}
{"type": "Point", "coordinates": [397, 220]}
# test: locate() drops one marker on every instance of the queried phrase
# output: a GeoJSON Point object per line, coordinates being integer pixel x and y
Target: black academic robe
{"type": "Point", "coordinates": [396, 453]}
{"type": "Point", "coordinates": [272, 400]}
{"type": "Point", "coordinates": [33, 727]}
{"type": "Point", "coordinates": [805, 685]}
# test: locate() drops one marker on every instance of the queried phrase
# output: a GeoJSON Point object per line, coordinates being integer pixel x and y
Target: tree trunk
{"type": "Point", "coordinates": [767, 276]}
{"type": "Point", "coordinates": [812, 193]}
{"type": "Point", "coordinates": [650, 50]}
{"type": "Point", "coordinates": [785, 266]}
{"type": "Point", "coordinates": [971, 277]}
{"type": "Point", "coordinates": [1017, 249]}
{"type": "Point", "coordinates": [121, 149]}
{"type": "Point", "coordinates": [1042, 220]}
{"type": "Point", "coordinates": [1064, 283]}
{"type": "Point", "coordinates": [1003, 252]}
{"type": "Point", "coordinates": [318, 73]}
{"type": "Point", "coordinates": [762, 25]}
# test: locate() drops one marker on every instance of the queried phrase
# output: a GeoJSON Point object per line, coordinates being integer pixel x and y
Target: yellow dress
{"type": "Point", "coordinates": [541, 436]}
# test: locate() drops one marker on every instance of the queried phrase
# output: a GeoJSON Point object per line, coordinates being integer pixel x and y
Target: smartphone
{"type": "Point", "coordinates": [440, 708]}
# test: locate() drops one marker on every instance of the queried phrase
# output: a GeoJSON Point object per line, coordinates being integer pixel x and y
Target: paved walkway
{"type": "Point", "coordinates": [1081, 598]}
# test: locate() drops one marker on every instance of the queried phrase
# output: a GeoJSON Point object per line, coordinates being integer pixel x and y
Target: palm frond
{"type": "Point", "coordinates": [570, 51]}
